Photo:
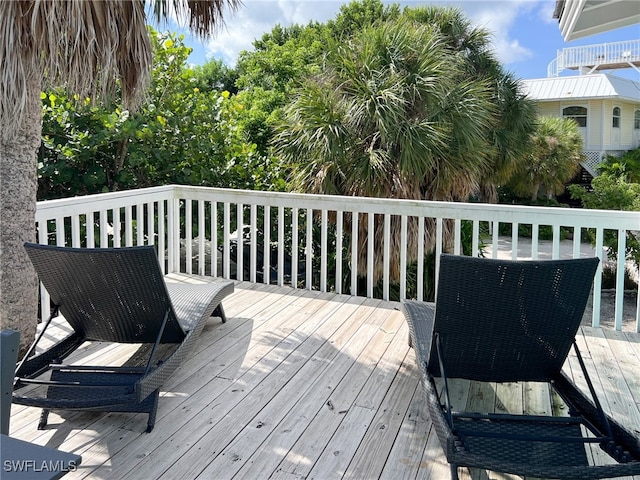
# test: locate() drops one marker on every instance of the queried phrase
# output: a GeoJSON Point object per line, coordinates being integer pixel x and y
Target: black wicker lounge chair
{"type": "Point", "coordinates": [113, 295]}
{"type": "Point", "coordinates": [514, 321]}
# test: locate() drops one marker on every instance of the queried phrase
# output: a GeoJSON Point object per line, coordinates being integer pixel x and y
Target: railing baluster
{"type": "Point", "coordinates": [188, 236]}
{"type": "Point", "coordinates": [577, 233]}
{"type": "Point", "coordinates": [386, 255]}
{"type": "Point", "coordinates": [535, 234]}
{"type": "Point", "coordinates": [161, 232]}
{"type": "Point", "coordinates": [240, 241]}
{"type": "Point", "coordinates": [201, 237]}
{"type": "Point", "coordinates": [457, 237]}
{"type": "Point", "coordinates": [75, 231]}
{"type": "Point", "coordinates": [253, 221]}
{"type": "Point", "coordinates": [323, 250]}
{"type": "Point", "coordinates": [281, 245]}
{"type": "Point", "coordinates": [620, 271]}
{"type": "Point", "coordinates": [140, 224]}
{"type": "Point", "coordinates": [370, 253]}
{"type": "Point", "coordinates": [309, 249]}
{"type": "Point", "coordinates": [338, 282]}
{"type": "Point", "coordinates": [117, 231]}
{"type": "Point", "coordinates": [214, 238]}
{"type": "Point", "coordinates": [226, 256]}
{"type": "Point", "coordinates": [266, 264]}
{"type": "Point", "coordinates": [556, 242]}
{"type": "Point", "coordinates": [151, 220]}
{"type": "Point", "coordinates": [403, 257]}
{"type": "Point", "coordinates": [294, 247]}
{"type": "Point", "coordinates": [495, 235]}
{"type": "Point", "coordinates": [103, 229]}
{"type": "Point", "coordinates": [90, 232]}
{"type": "Point", "coordinates": [45, 298]}
{"type": "Point", "coordinates": [439, 250]}
{"type": "Point", "coordinates": [128, 226]}
{"type": "Point", "coordinates": [420, 286]}
{"type": "Point", "coordinates": [475, 242]}
{"type": "Point", "coordinates": [354, 252]}
{"type": "Point", "coordinates": [597, 282]}
{"type": "Point", "coordinates": [515, 236]}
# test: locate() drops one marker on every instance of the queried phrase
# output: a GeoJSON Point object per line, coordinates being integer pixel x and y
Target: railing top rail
{"type": "Point", "coordinates": [596, 46]}
{"type": "Point", "coordinates": [455, 210]}
{"type": "Point", "coordinates": [82, 204]}
{"type": "Point", "coordinates": [487, 212]}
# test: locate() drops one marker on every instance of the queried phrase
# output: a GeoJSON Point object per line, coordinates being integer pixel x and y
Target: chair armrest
{"type": "Point", "coordinates": [420, 317]}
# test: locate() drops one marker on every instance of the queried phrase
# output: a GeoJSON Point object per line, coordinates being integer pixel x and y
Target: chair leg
{"type": "Point", "coordinates": [219, 312]}
{"type": "Point", "coordinates": [44, 416]}
{"type": "Point", "coordinates": [151, 421]}
{"type": "Point", "coordinates": [454, 472]}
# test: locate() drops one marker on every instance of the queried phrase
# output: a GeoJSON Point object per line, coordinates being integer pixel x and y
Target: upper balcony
{"type": "Point", "coordinates": [592, 58]}
{"type": "Point", "coordinates": [580, 18]}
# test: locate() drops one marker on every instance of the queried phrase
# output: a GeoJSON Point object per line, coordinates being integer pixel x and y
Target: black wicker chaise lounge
{"type": "Point", "coordinates": [115, 295]}
{"type": "Point", "coordinates": [515, 321]}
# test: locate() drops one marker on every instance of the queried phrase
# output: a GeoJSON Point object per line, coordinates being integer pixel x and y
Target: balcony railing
{"type": "Point", "coordinates": [603, 56]}
{"type": "Point", "coordinates": [306, 240]}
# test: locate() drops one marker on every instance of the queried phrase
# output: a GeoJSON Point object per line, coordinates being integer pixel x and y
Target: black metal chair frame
{"type": "Point", "coordinates": [543, 301]}
{"type": "Point", "coordinates": [115, 295]}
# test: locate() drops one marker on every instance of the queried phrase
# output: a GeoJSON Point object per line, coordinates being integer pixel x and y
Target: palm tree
{"type": "Point", "coordinates": [514, 115]}
{"type": "Point", "coordinates": [394, 114]}
{"type": "Point", "coordinates": [91, 48]}
{"type": "Point", "coordinates": [555, 158]}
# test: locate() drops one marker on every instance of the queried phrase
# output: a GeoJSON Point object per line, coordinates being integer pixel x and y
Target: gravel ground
{"type": "Point", "coordinates": [608, 309]}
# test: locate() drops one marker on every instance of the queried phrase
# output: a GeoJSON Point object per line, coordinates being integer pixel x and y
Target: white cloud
{"type": "Point", "coordinates": [499, 17]}
{"type": "Point", "coordinates": [257, 17]}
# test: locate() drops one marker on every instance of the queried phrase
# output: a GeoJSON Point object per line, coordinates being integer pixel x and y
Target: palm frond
{"type": "Point", "coordinates": [89, 47]}
{"type": "Point", "coordinates": [204, 16]}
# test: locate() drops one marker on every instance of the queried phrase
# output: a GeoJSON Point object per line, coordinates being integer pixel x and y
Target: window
{"type": "Point", "coordinates": [579, 114]}
{"type": "Point", "coordinates": [616, 117]}
{"type": "Point", "coordinates": [636, 120]}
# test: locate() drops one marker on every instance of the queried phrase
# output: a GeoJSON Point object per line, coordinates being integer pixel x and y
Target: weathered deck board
{"type": "Point", "coordinates": [302, 384]}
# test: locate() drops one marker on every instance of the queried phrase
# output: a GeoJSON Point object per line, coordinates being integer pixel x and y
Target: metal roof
{"type": "Point", "coordinates": [593, 86]}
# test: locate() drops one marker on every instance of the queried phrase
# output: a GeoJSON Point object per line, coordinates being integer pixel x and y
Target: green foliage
{"type": "Point", "coordinates": [268, 75]}
{"type": "Point", "coordinates": [391, 113]}
{"type": "Point", "coordinates": [215, 76]}
{"type": "Point", "coordinates": [556, 152]}
{"type": "Point", "coordinates": [81, 145]}
{"type": "Point", "coordinates": [356, 16]}
{"type": "Point", "coordinates": [608, 193]}
{"type": "Point", "coordinates": [612, 193]}
{"type": "Point", "coordinates": [627, 166]}
{"type": "Point", "coordinates": [181, 134]}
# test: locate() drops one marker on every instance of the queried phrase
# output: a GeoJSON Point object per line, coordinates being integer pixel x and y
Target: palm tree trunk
{"type": "Point", "coordinates": [534, 191]}
{"type": "Point", "coordinates": [18, 187]}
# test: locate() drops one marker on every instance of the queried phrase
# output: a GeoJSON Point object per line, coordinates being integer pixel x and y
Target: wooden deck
{"type": "Point", "coordinates": [301, 384]}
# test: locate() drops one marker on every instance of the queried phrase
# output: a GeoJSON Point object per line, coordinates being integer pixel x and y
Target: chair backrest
{"type": "Point", "coordinates": [503, 320]}
{"type": "Point", "coordinates": [108, 294]}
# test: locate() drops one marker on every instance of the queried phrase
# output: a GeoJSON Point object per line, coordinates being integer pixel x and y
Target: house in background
{"type": "Point", "coordinates": [606, 107]}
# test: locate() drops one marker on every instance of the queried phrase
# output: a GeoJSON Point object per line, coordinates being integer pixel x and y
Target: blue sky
{"type": "Point", "coordinates": [525, 36]}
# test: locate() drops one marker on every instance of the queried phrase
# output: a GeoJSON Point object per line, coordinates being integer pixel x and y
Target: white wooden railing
{"type": "Point", "coordinates": [180, 220]}
{"type": "Point", "coordinates": [624, 54]}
